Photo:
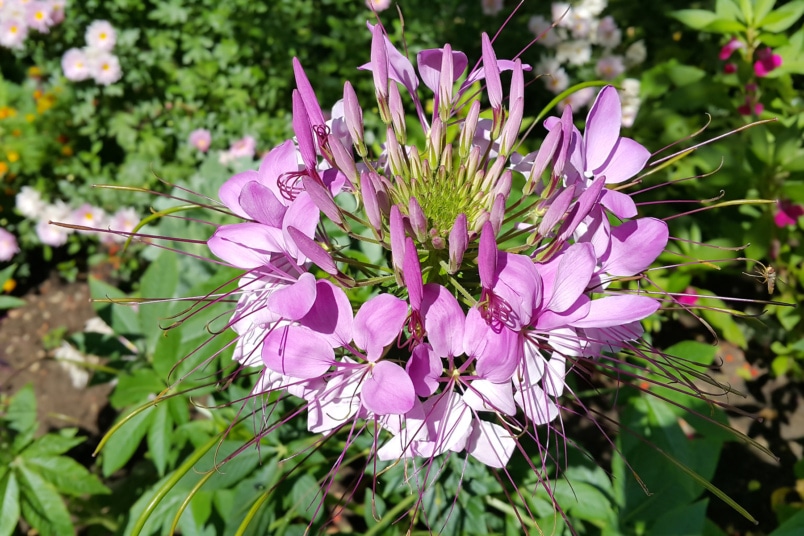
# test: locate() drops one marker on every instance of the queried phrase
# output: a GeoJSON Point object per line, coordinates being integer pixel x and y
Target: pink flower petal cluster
{"type": "Point", "coordinates": [96, 60]}
{"type": "Point", "coordinates": [8, 245]}
{"type": "Point", "coordinates": [18, 17]}
{"type": "Point", "coordinates": [464, 344]}
{"type": "Point", "coordinates": [766, 62]}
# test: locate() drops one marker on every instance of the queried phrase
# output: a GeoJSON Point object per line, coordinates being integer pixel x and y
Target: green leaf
{"type": "Point", "coordinates": [21, 413]}
{"type": "Point", "coordinates": [697, 352]}
{"type": "Point", "coordinates": [136, 388]}
{"type": "Point", "coordinates": [9, 504]}
{"type": "Point", "coordinates": [54, 444]}
{"type": "Point", "coordinates": [724, 26]}
{"type": "Point", "coordinates": [794, 526]}
{"type": "Point", "coordinates": [762, 8]}
{"type": "Point", "coordinates": [687, 519]}
{"type": "Point", "coordinates": [123, 319]}
{"type": "Point", "coordinates": [305, 496]}
{"type": "Point", "coordinates": [727, 9]}
{"type": "Point", "coordinates": [783, 18]}
{"type": "Point", "coordinates": [122, 444]}
{"type": "Point", "coordinates": [697, 19]}
{"type": "Point", "coordinates": [159, 437]}
{"type": "Point", "coordinates": [42, 506]}
{"type": "Point", "coordinates": [159, 282]}
{"type": "Point", "coordinates": [67, 475]}
{"type": "Point", "coordinates": [10, 302]}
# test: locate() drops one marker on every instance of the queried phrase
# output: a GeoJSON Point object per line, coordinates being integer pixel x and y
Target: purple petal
{"type": "Point", "coordinates": [496, 354]}
{"type": "Point", "coordinates": [617, 310]}
{"type": "Point", "coordinates": [424, 368]}
{"type": "Point", "coordinates": [492, 73]}
{"type": "Point", "coordinates": [519, 286]}
{"type": "Point", "coordinates": [298, 352]}
{"type": "Point", "coordinates": [443, 320]}
{"type": "Point", "coordinates": [397, 229]}
{"type": "Point", "coordinates": [229, 192]}
{"type": "Point", "coordinates": [586, 201]}
{"type": "Point", "coordinates": [308, 95]}
{"type": "Point", "coordinates": [246, 245]}
{"type": "Point", "coordinates": [491, 444]}
{"type": "Point", "coordinates": [279, 161]}
{"type": "Point", "coordinates": [635, 245]}
{"type": "Point", "coordinates": [573, 275]}
{"type": "Point", "coordinates": [388, 390]}
{"type": "Point", "coordinates": [429, 63]}
{"type": "Point", "coordinates": [260, 203]}
{"type": "Point", "coordinates": [555, 212]}
{"type": "Point", "coordinates": [310, 249]}
{"type": "Point", "coordinates": [331, 314]}
{"type": "Point", "coordinates": [602, 128]}
{"type": "Point", "coordinates": [370, 202]}
{"type": "Point", "coordinates": [303, 131]}
{"type": "Point", "coordinates": [620, 204]}
{"type": "Point", "coordinates": [294, 301]}
{"type": "Point", "coordinates": [321, 196]}
{"type": "Point", "coordinates": [412, 274]}
{"type": "Point", "coordinates": [626, 160]}
{"type": "Point", "coordinates": [378, 323]}
{"type": "Point", "coordinates": [487, 256]}
{"type": "Point", "coordinates": [379, 61]}
{"type": "Point", "coordinates": [303, 215]}
{"type": "Point", "coordinates": [458, 242]}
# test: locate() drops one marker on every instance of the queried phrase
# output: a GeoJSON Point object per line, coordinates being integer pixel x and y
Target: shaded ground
{"type": "Point", "coordinates": [51, 308]}
{"type": "Point", "coordinates": [745, 474]}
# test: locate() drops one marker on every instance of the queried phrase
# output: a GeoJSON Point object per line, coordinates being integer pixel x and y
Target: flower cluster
{"type": "Point", "coordinates": [19, 17]}
{"type": "Point", "coordinates": [96, 60]}
{"type": "Point", "coordinates": [764, 60]}
{"type": "Point", "coordinates": [29, 203]}
{"type": "Point", "coordinates": [499, 273]}
{"type": "Point", "coordinates": [578, 39]}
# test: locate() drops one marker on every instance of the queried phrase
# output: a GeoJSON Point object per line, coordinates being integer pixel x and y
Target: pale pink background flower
{"type": "Point", "coordinates": [200, 139]}
{"type": "Point", "coordinates": [378, 5]}
{"type": "Point", "coordinates": [101, 35]}
{"type": "Point", "coordinates": [241, 148]}
{"type": "Point", "coordinates": [491, 7]}
{"type": "Point", "coordinates": [540, 26]}
{"type": "Point", "coordinates": [13, 33]}
{"type": "Point", "coordinates": [75, 65]}
{"type": "Point", "coordinates": [29, 202]}
{"type": "Point", "coordinates": [8, 245]}
{"type": "Point", "coordinates": [39, 16]}
{"type": "Point", "coordinates": [105, 68]}
{"type": "Point", "coordinates": [89, 216]}
{"type": "Point", "coordinates": [610, 67]}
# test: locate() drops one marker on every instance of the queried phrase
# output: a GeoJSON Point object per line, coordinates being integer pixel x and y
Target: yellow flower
{"type": "Point", "coordinates": [67, 150]}
{"type": "Point", "coordinates": [6, 111]}
{"type": "Point", "coordinates": [30, 117]}
{"type": "Point", "coordinates": [12, 156]}
{"type": "Point", "coordinates": [34, 72]}
{"type": "Point", "coordinates": [9, 285]}
{"type": "Point", "coordinates": [3, 168]}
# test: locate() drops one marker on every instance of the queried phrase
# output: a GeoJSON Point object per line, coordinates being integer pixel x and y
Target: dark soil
{"type": "Point", "coordinates": [54, 307]}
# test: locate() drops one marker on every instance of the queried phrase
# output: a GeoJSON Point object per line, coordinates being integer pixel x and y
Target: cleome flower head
{"type": "Point", "coordinates": [494, 274]}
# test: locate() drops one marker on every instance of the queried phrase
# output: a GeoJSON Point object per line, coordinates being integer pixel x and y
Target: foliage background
{"type": "Point", "coordinates": [225, 66]}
